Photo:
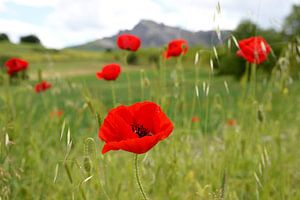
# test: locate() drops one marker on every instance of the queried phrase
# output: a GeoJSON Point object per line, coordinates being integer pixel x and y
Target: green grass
{"type": "Point", "coordinates": [256, 159]}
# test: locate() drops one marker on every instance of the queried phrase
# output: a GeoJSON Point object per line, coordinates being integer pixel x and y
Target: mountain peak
{"type": "Point", "coordinates": [147, 22]}
{"type": "Point", "coordinates": [155, 34]}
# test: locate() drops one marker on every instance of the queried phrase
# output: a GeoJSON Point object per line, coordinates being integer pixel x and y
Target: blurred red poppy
{"type": "Point", "coordinates": [109, 72]}
{"type": "Point", "coordinates": [42, 86]}
{"type": "Point", "coordinates": [56, 113]}
{"type": "Point", "coordinates": [176, 48]}
{"type": "Point", "coordinates": [136, 128]}
{"type": "Point", "coordinates": [15, 65]}
{"type": "Point", "coordinates": [231, 122]}
{"type": "Point", "coordinates": [128, 42]}
{"type": "Point", "coordinates": [254, 49]}
{"type": "Point", "coordinates": [196, 119]}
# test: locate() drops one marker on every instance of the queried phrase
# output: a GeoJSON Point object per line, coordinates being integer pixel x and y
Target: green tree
{"type": "Point", "coordinates": [30, 39]}
{"type": "Point", "coordinates": [4, 37]}
{"type": "Point", "coordinates": [231, 64]}
{"type": "Point", "coordinates": [291, 26]}
{"type": "Point", "coordinates": [245, 29]}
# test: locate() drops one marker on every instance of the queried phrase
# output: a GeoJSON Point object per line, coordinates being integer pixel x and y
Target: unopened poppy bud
{"type": "Point", "coordinates": [87, 164]}
{"type": "Point", "coordinates": [260, 115]}
{"type": "Point", "coordinates": [146, 82]}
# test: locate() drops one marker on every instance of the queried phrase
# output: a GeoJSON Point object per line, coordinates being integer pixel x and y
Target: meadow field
{"type": "Point", "coordinates": [232, 139]}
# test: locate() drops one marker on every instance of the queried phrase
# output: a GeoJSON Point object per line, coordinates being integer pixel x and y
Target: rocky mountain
{"type": "Point", "coordinates": [155, 34]}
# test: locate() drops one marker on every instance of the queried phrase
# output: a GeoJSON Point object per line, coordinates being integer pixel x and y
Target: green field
{"type": "Point", "coordinates": [48, 157]}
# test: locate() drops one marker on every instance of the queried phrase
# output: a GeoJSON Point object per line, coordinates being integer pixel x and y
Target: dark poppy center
{"type": "Point", "coordinates": [140, 130]}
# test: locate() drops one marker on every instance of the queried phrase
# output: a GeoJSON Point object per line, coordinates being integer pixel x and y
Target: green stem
{"type": "Point", "coordinates": [127, 77]}
{"type": "Point", "coordinates": [207, 111]}
{"type": "Point", "coordinates": [137, 174]}
{"type": "Point", "coordinates": [195, 97]}
{"type": "Point", "coordinates": [113, 94]}
{"type": "Point", "coordinates": [180, 70]}
{"type": "Point", "coordinates": [181, 90]}
{"type": "Point", "coordinates": [210, 78]}
{"type": "Point", "coordinates": [142, 84]}
{"type": "Point", "coordinates": [245, 81]}
{"type": "Point", "coordinates": [40, 77]}
{"type": "Point", "coordinates": [129, 88]}
{"type": "Point", "coordinates": [253, 77]}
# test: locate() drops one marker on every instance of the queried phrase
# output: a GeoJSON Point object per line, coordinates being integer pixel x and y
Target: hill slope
{"type": "Point", "coordinates": [156, 35]}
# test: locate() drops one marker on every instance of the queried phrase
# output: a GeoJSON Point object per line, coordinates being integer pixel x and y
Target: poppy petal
{"type": "Point", "coordinates": [138, 145]}
{"type": "Point", "coordinates": [109, 72]}
{"type": "Point", "coordinates": [254, 49]}
{"type": "Point", "coordinates": [116, 126]}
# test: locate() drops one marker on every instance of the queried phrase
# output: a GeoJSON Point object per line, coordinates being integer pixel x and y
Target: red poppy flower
{"type": "Point", "coordinates": [109, 72]}
{"type": "Point", "coordinates": [195, 119]}
{"type": "Point", "coordinates": [15, 65]}
{"type": "Point", "coordinates": [42, 86]}
{"type": "Point", "coordinates": [56, 113]}
{"type": "Point", "coordinates": [254, 49]}
{"type": "Point", "coordinates": [128, 42]}
{"type": "Point", "coordinates": [136, 128]}
{"type": "Point", "coordinates": [231, 122]}
{"type": "Point", "coordinates": [176, 48]}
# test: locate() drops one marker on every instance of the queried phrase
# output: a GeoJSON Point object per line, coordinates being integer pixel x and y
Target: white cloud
{"type": "Point", "coordinates": [16, 28]}
{"type": "Point", "coordinates": [101, 14]}
{"type": "Point", "coordinates": [77, 21]}
{"type": "Point", "coordinates": [32, 3]}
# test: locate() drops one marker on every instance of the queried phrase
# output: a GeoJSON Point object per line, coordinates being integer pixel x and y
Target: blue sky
{"type": "Point", "coordinates": [25, 13]}
{"type": "Point", "coordinates": [61, 23]}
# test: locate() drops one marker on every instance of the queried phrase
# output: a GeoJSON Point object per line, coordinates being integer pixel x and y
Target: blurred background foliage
{"type": "Point", "coordinates": [281, 42]}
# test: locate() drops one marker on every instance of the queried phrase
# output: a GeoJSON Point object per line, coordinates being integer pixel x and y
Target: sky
{"type": "Point", "coordinates": [61, 23]}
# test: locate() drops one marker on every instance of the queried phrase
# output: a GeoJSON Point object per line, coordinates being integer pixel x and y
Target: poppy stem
{"type": "Point", "coordinates": [253, 77]}
{"type": "Point", "coordinates": [246, 80]}
{"type": "Point", "coordinates": [142, 83]}
{"type": "Point", "coordinates": [137, 174]}
{"type": "Point", "coordinates": [113, 93]}
{"type": "Point", "coordinates": [40, 79]}
{"type": "Point", "coordinates": [127, 77]}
